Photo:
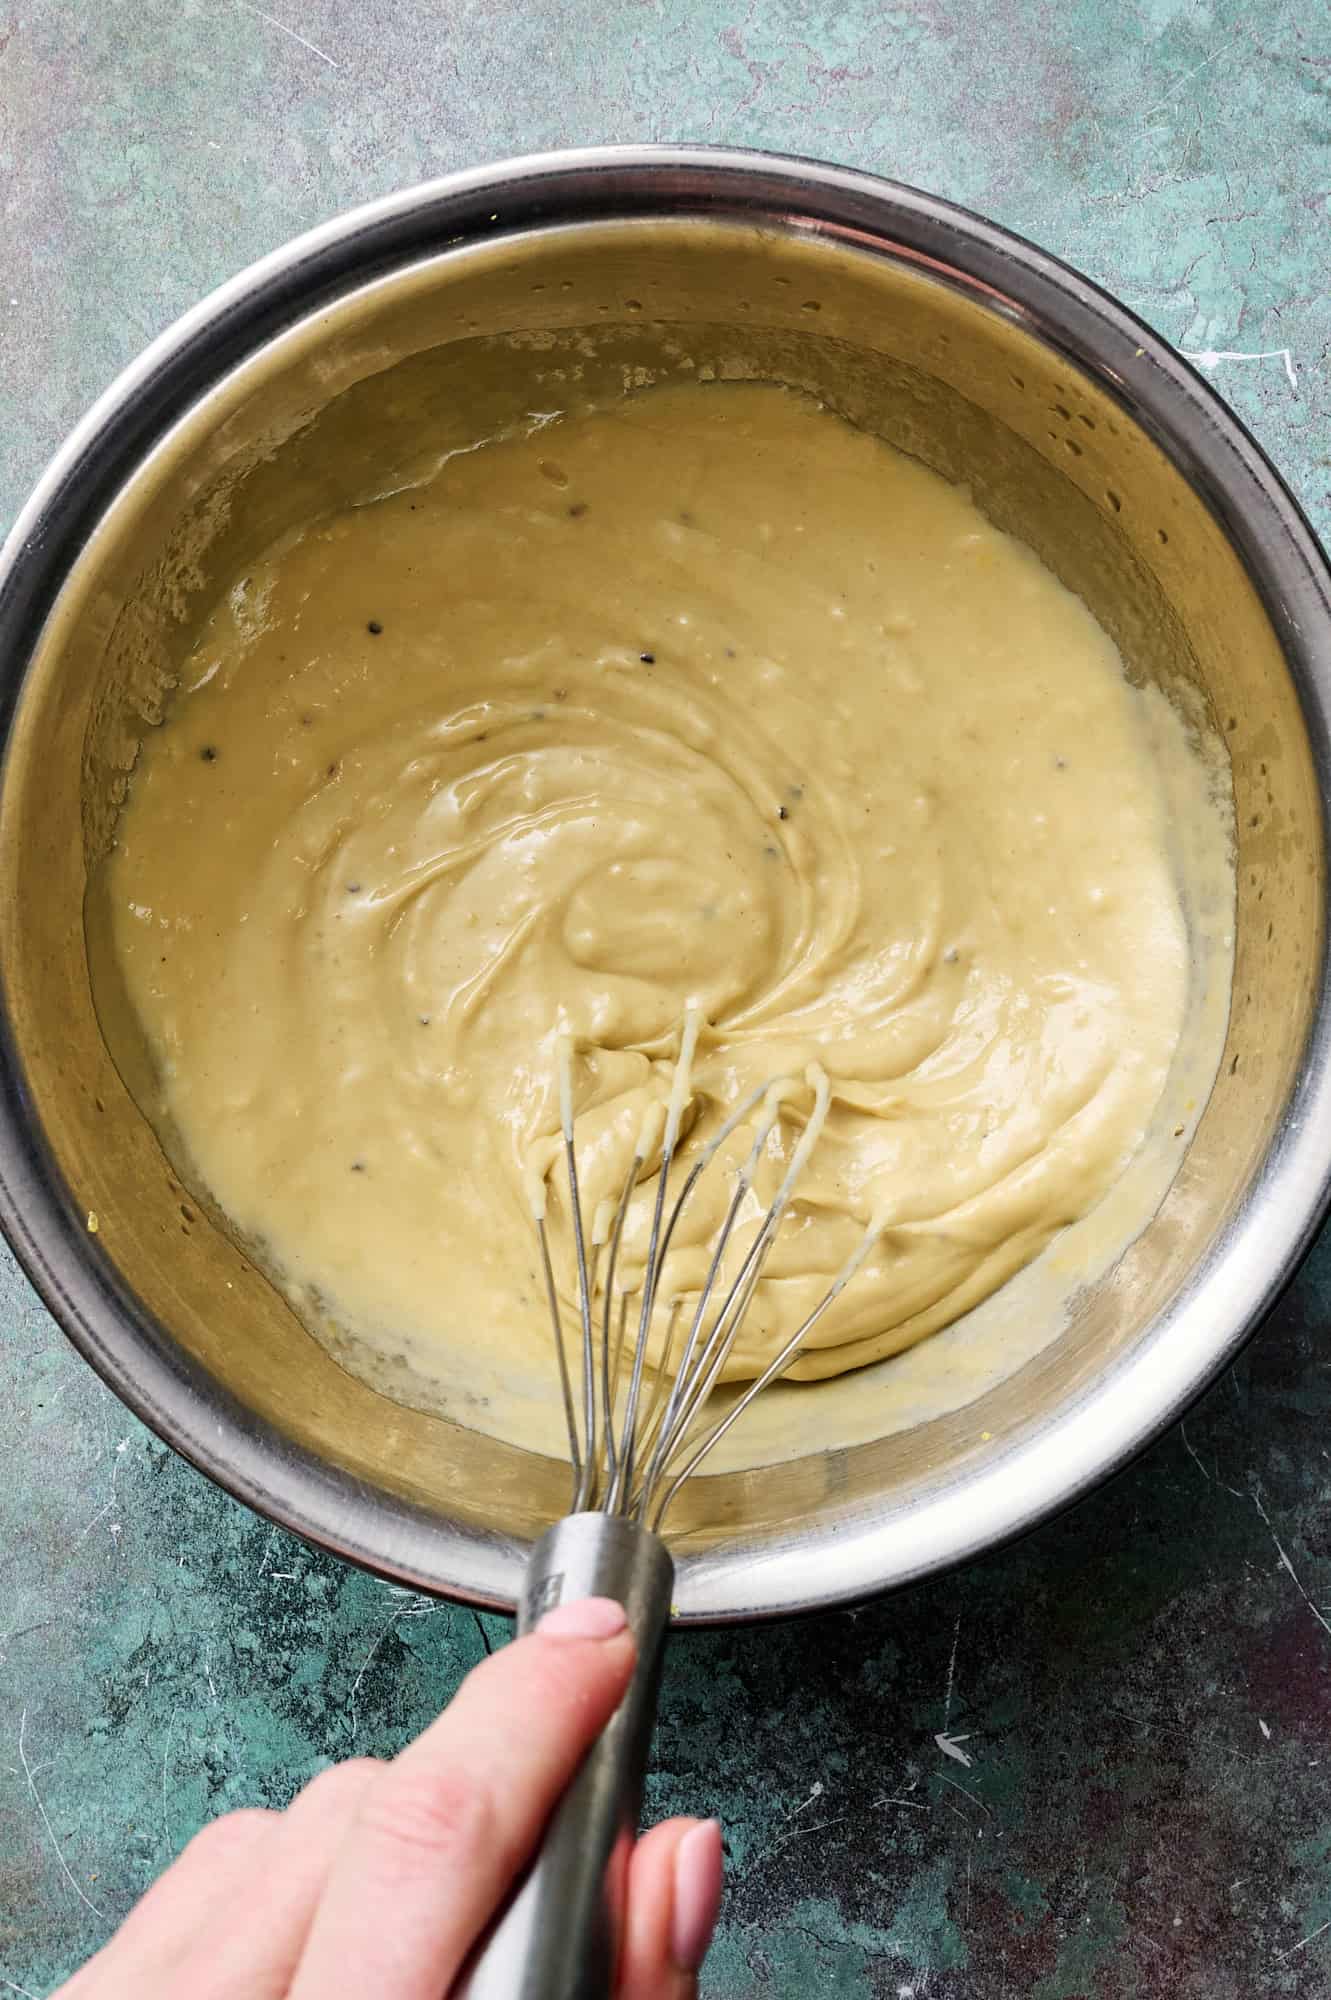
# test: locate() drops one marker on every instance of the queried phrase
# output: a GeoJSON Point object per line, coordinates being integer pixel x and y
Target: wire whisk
{"type": "Point", "coordinates": [637, 1429]}
{"type": "Point", "coordinates": [632, 1451]}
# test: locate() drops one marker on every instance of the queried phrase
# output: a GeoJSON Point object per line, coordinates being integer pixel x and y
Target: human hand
{"type": "Point", "coordinates": [379, 1878]}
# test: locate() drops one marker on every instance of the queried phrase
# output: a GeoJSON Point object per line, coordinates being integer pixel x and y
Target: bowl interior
{"type": "Point", "coordinates": [367, 393]}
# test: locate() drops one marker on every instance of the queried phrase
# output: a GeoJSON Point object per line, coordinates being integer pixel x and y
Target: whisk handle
{"type": "Point", "coordinates": [556, 1938]}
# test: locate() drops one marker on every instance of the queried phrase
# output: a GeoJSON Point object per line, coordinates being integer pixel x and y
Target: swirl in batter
{"type": "Point", "coordinates": [704, 696]}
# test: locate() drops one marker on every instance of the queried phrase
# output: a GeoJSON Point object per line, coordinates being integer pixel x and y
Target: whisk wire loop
{"type": "Point", "coordinates": [650, 1448]}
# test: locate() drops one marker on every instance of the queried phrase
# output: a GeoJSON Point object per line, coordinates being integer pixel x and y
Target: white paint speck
{"type": "Point", "coordinates": [951, 1747]}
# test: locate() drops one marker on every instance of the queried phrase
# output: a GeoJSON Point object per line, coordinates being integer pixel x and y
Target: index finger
{"type": "Point", "coordinates": [441, 1834]}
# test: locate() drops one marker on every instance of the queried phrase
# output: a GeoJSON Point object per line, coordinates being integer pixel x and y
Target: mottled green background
{"type": "Point", "coordinates": [1143, 1689]}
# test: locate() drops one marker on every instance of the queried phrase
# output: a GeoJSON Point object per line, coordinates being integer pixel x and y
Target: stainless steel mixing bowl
{"type": "Point", "coordinates": [351, 360]}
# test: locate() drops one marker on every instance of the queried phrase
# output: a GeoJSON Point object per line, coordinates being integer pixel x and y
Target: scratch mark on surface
{"type": "Point", "coordinates": [1311, 1937]}
{"type": "Point", "coordinates": [1210, 358]}
{"type": "Point", "coordinates": [166, 1754]}
{"type": "Point", "coordinates": [46, 1822]}
{"type": "Point", "coordinates": [283, 29]}
{"type": "Point", "coordinates": [21, 1632]}
{"type": "Point", "coordinates": [1211, 1478]}
{"type": "Point", "coordinates": [365, 1668]}
{"type": "Point", "coordinates": [1179, 82]}
{"type": "Point", "coordinates": [102, 1512]}
{"type": "Point", "coordinates": [8, 1983]}
{"type": "Point", "coordinates": [100, 1515]}
{"type": "Point", "coordinates": [816, 1791]}
{"type": "Point", "coordinates": [1288, 1565]}
{"type": "Point", "coordinates": [1187, 1446]}
{"type": "Point", "coordinates": [951, 1678]}
{"type": "Point", "coordinates": [798, 1832]}
{"type": "Point", "coordinates": [974, 1797]}
{"type": "Point", "coordinates": [414, 1603]}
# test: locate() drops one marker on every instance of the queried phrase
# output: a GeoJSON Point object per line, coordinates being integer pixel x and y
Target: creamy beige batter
{"type": "Point", "coordinates": [702, 697]}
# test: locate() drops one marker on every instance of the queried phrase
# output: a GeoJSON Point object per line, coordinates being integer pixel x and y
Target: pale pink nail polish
{"type": "Point", "coordinates": [584, 1618]}
{"type": "Point", "coordinates": [698, 1867]}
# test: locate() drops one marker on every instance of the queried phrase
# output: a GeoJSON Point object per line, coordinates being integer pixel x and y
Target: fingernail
{"type": "Point", "coordinates": [697, 1901]}
{"type": "Point", "coordinates": [584, 1618]}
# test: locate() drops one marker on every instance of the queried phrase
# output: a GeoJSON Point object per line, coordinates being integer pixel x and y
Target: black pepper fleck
{"type": "Point", "coordinates": [783, 812]}
{"type": "Point", "coordinates": [648, 659]}
{"type": "Point", "coordinates": [358, 1166]}
{"type": "Point", "coordinates": [353, 888]}
{"type": "Point", "coordinates": [577, 510]}
{"type": "Point", "coordinates": [208, 754]}
{"type": "Point", "coordinates": [375, 627]}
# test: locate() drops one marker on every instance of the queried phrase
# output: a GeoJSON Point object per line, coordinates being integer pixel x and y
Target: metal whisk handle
{"type": "Point", "coordinates": [556, 1938]}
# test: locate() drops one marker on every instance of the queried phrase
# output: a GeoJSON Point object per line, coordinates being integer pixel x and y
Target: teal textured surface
{"type": "Point", "coordinates": [1095, 1767]}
